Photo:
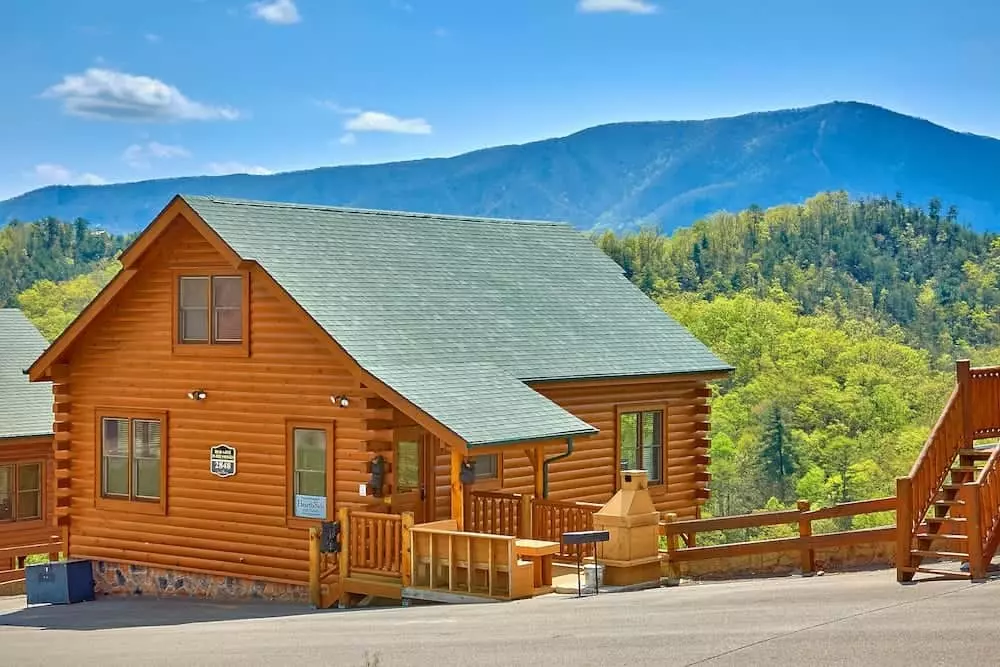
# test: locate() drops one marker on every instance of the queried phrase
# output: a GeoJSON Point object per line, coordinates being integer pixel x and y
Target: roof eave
{"type": "Point", "coordinates": [532, 439]}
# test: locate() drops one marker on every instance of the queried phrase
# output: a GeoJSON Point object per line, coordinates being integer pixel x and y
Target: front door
{"type": "Point", "coordinates": [413, 472]}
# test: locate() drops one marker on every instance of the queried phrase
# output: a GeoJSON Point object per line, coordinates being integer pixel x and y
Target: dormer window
{"type": "Point", "coordinates": [210, 309]}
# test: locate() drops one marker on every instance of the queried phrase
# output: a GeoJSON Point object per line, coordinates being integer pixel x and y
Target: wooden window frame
{"type": "Point", "coordinates": [626, 408]}
{"type": "Point", "coordinates": [210, 348]}
{"type": "Point", "coordinates": [489, 483]}
{"type": "Point", "coordinates": [22, 524]}
{"type": "Point", "coordinates": [132, 505]}
{"type": "Point", "coordinates": [291, 520]}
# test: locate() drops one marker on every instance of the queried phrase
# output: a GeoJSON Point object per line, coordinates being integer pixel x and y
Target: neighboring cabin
{"type": "Point", "coordinates": [312, 340]}
{"type": "Point", "coordinates": [26, 471]}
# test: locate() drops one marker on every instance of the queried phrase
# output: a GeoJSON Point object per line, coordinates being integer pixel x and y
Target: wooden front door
{"type": "Point", "coordinates": [413, 472]}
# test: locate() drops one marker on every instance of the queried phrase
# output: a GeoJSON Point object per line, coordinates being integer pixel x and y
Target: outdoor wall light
{"type": "Point", "coordinates": [197, 395]}
{"type": "Point", "coordinates": [341, 401]}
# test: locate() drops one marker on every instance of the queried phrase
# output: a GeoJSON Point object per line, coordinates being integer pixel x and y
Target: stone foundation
{"type": "Point", "coordinates": [121, 579]}
{"type": "Point", "coordinates": [779, 563]}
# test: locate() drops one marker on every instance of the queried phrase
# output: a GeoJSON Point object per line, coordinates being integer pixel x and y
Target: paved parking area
{"type": "Point", "coordinates": [847, 619]}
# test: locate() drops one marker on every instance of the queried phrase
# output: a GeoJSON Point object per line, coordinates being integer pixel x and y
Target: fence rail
{"type": "Point", "coordinates": [805, 542]}
{"type": "Point", "coordinates": [12, 557]}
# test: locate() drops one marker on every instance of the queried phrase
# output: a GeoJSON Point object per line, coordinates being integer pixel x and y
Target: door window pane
{"type": "Point", "coordinates": [407, 466]}
{"type": "Point", "coordinates": [193, 309]}
{"type": "Point", "coordinates": [310, 477]}
{"type": "Point", "coordinates": [115, 448]}
{"type": "Point", "coordinates": [29, 491]}
{"type": "Point", "coordinates": [6, 493]}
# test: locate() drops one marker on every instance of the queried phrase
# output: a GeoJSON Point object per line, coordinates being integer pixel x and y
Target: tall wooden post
{"type": "Point", "coordinates": [963, 372]}
{"type": "Point", "coordinates": [344, 557]}
{"type": "Point", "coordinates": [808, 555]}
{"type": "Point", "coordinates": [539, 466]}
{"type": "Point", "coordinates": [673, 567]}
{"type": "Point", "coordinates": [977, 565]}
{"type": "Point", "coordinates": [904, 524]}
{"type": "Point", "coordinates": [314, 567]}
{"type": "Point", "coordinates": [406, 566]}
{"type": "Point", "coordinates": [457, 495]}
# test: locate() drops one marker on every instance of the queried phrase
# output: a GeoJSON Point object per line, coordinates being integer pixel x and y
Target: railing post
{"type": "Point", "coordinates": [344, 557]}
{"type": "Point", "coordinates": [406, 564]}
{"type": "Point", "coordinates": [963, 371]}
{"type": "Point", "coordinates": [673, 567]}
{"type": "Point", "coordinates": [525, 519]}
{"type": "Point", "coordinates": [970, 492]}
{"type": "Point", "coordinates": [808, 555]}
{"type": "Point", "coordinates": [314, 567]}
{"type": "Point", "coordinates": [904, 524]}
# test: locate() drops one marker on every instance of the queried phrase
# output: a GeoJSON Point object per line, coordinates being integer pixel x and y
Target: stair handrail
{"type": "Point", "coordinates": [984, 529]}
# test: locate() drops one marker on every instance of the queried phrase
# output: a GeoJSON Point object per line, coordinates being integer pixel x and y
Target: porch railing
{"type": "Point", "coordinates": [551, 518]}
{"type": "Point", "coordinates": [498, 513]}
{"type": "Point", "coordinates": [376, 543]}
{"type": "Point", "coordinates": [14, 554]}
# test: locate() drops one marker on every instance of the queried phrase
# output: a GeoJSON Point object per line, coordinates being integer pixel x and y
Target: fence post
{"type": "Point", "coordinates": [808, 555]}
{"type": "Point", "coordinates": [344, 557]}
{"type": "Point", "coordinates": [904, 523]}
{"type": "Point", "coordinates": [977, 566]}
{"type": "Point", "coordinates": [964, 378]}
{"type": "Point", "coordinates": [314, 567]}
{"type": "Point", "coordinates": [525, 509]}
{"type": "Point", "coordinates": [406, 566]}
{"type": "Point", "coordinates": [673, 567]}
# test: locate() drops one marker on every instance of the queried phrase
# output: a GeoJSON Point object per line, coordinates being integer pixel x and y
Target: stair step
{"type": "Point", "coordinates": [951, 487]}
{"type": "Point", "coordinates": [949, 503]}
{"type": "Point", "coordinates": [951, 574]}
{"type": "Point", "coordinates": [982, 454]}
{"type": "Point", "coordinates": [966, 468]}
{"type": "Point", "coordinates": [944, 519]}
{"type": "Point", "coordinates": [953, 555]}
{"type": "Point", "coordinates": [941, 536]}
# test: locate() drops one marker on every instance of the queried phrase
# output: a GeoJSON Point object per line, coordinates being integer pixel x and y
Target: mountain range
{"type": "Point", "coordinates": [617, 176]}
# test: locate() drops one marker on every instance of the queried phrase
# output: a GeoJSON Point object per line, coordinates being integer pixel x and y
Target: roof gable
{"type": "Point", "coordinates": [25, 408]}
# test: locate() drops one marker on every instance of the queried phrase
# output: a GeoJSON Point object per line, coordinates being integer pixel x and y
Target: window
{"type": "Point", "coordinates": [487, 466]}
{"type": "Point", "coordinates": [407, 465]}
{"type": "Point", "coordinates": [20, 491]}
{"type": "Point", "coordinates": [640, 439]}
{"type": "Point", "coordinates": [310, 464]}
{"type": "Point", "coordinates": [210, 309]}
{"type": "Point", "coordinates": [131, 458]}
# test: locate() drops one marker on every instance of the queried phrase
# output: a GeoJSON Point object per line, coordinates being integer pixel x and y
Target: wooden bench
{"type": "Point", "coordinates": [474, 564]}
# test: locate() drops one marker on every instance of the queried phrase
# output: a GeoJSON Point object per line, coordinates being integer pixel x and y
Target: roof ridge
{"type": "Point", "coordinates": [375, 211]}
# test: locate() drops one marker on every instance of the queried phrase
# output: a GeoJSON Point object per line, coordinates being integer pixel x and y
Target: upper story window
{"type": "Point", "coordinates": [210, 309]}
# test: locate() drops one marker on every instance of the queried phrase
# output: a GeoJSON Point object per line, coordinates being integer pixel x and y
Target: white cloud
{"type": "Point", "coordinates": [140, 155]}
{"type": "Point", "coordinates": [348, 139]}
{"type": "Point", "coordinates": [629, 6]}
{"type": "Point", "coordinates": [56, 174]}
{"type": "Point", "coordinates": [152, 38]}
{"type": "Point", "coordinates": [377, 121]}
{"type": "Point", "coordinates": [232, 167]}
{"type": "Point", "coordinates": [278, 12]}
{"type": "Point", "coordinates": [111, 95]}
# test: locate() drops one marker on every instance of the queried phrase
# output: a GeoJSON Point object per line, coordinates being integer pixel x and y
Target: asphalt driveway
{"type": "Point", "coordinates": [847, 619]}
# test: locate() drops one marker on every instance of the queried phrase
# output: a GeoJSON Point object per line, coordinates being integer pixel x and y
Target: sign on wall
{"type": "Point", "coordinates": [310, 507]}
{"type": "Point", "coordinates": [222, 460]}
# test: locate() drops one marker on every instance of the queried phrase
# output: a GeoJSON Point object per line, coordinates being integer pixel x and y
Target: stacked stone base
{"type": "Point", "coordinates": [122, 579]}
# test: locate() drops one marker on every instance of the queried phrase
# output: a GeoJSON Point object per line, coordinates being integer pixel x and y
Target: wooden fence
{"type": "Point", "coordinates": [805, 542]}
{"type": "Point", "coordinates": [12, 557]}
{"type": "Point", "coordinates": [522, 515]}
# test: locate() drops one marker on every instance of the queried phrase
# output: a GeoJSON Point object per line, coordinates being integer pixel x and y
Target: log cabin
{"type": "Point", "coordinates": [26, 470]}
{"type": "Point", "coordinates": [256, 366]}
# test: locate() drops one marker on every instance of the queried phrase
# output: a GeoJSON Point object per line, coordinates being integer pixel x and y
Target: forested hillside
{"type": "Point", "coordinates": [842, 318]}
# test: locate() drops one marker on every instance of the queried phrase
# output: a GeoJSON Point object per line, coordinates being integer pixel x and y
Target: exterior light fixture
{"type": "Point", "coordinates": [197, 395]}
{"type": "Point", "coordinates": [340, 401]}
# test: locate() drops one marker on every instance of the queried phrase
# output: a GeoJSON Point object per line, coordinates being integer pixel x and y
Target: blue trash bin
{"type": "Point", "coordinates": [61, 582]}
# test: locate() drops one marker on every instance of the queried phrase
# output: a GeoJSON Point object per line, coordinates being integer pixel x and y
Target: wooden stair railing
{"type": "Point", "coordinates": [983, 497]}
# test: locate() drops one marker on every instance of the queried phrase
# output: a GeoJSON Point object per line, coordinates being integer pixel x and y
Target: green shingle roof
{"type": "Point", "coordinates": [25, 407]}
{"type": "Point", "coordinates": [461, 312]}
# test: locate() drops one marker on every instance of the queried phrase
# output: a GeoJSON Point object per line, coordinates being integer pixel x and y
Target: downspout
{"type": "Point", "coordinates": [553, 459]}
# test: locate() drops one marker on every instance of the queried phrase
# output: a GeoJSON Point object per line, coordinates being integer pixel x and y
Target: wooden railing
{"type": "Point", "coordinates": [985, 408]}
{"type": "Point", "coordinates": [498, 513]}
{"type": "Point", "coordinates": [982, 499]}
{"type": "Point", "coordinates": [805, 542]}
{"type": "Point", "coordinates": [375, 543]}
{"type": "Point", "coordinates": [551, 518]}
{"type": "Point", "coordinates": [13, 557]}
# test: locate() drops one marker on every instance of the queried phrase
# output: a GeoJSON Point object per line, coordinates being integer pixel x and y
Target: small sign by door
{"type": "Point", "coordinates": [223, 461]}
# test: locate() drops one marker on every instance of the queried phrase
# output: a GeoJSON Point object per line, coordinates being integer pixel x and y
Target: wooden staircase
{"type": "Point", "coordinates": [943, 535]}
{"type": "Point", "coordinates": [948, 507]}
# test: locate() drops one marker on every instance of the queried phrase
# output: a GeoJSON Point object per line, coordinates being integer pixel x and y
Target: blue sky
{"type": "Point", "coordinates": [121, 90]}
